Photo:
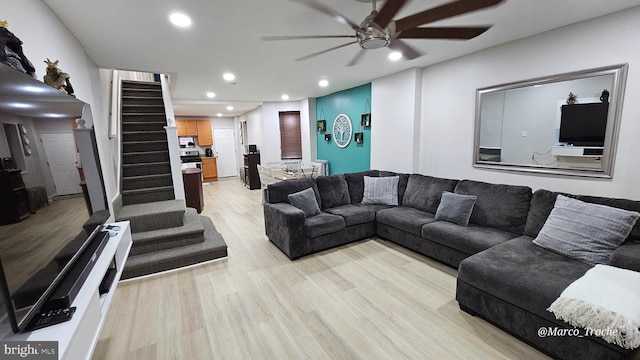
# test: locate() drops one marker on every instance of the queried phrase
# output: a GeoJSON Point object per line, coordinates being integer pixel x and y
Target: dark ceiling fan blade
{"type": "Point", "coordinates": [301, 37]}
{"type": "Point", "coordinates": [324, 51]}
{"type": "Point", "coordinates": [388, 11]}
{"type": "Point", "coordinates": [407, 51]}
{"type": "Point", "coordinates": [329, 11]}
{"type": "Point", "coordinates": [448, 10]}
{"type": "Point", "coordinates": [462, 32]}
{"type": "Point", "coordinates": [356, 59]}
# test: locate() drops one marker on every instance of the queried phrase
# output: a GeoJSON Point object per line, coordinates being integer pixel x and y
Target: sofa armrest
{"type": "Point", "coordinates": [627, 256]}
{"type": "Point", "coordinates": [284, 226]}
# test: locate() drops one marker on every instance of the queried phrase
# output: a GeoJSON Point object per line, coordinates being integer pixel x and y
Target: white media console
{"type": "Point", "coordinates": [78, 337]}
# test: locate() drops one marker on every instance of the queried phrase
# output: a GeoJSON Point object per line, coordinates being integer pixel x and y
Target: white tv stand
{"type": "Point", "coordinates": [577, 151]}
{"type": "Point", "coordinates": [78, 337]}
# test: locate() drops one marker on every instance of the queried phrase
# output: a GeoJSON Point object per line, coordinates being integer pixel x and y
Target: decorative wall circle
{"type": "Point", "coordinates": [342, 130]}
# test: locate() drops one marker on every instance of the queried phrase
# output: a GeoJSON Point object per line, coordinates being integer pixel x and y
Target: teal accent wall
{"type": "Point", "coordinates": [351, 102]}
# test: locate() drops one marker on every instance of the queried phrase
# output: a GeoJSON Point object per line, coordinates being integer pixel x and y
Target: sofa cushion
{"type": "Point", "coordinates": [305, 200]}
{"type": "Point", "coordinates": [380, 190]}
{"type": "Point", "coordinates": [467, 239]}
{"type": "Point", "coordinates": [424, 192]}
{"type": "Point", "coordinates": [402, 183]}
{"type": "Point", "coordinates": [333, 191]}
{"type": "Point", "coordinates": [355, 183]}
{"type": "Point", "coordinates": [585, 232]}
{"type": "Point", "coordinates": [323, 224]}
{"type": "Point", "coordinates": [277, 192]}
{"type": "Point", "coordinates": [455, 208]}
{"type": "Point", "coordinates": [504, 207]}
{"type": "Point", "coordinates": [404, 218]}
{"type": "Point", "coordinates": [355, 214]}
{"type": "Point", "coordinates": [522, 273]}
{"type": "Point", "coordinates": [543, 200]}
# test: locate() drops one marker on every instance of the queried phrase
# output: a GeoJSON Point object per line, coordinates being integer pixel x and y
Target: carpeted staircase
{"type": "Point", "coordinates": [166, 234]}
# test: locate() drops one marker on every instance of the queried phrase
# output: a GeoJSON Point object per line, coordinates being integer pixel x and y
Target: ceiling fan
{"type": "Point", "coordinates": [379, 30]}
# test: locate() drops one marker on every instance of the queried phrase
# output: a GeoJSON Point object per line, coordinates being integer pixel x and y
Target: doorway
{"type": "Point", "coordinates": [62, 158]}
{"type": "Point", "coordinates": [225, 145]}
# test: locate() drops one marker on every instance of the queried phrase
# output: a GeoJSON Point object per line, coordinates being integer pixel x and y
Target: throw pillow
{"type": "Point", "coordinates": [584, 231]}
{"type": "Point", "coordinates": [305, 200]}
{"type": "Point", "coordinates": [381, 190]}
{"type": "Point", "coordinates": [455, 208]}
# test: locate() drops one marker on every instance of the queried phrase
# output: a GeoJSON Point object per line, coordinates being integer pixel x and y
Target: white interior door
{"type": "Point", "coordinates": [225, 145]}
{"type": "Point", "coordinates": [62, 158]}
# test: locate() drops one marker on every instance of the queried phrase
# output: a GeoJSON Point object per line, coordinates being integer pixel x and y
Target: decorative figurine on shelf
{"type": "Point", "coordinates": [605, 96]}
{"type": "Point", "coordinates": [572, 99]}
{"type": "Point", "coordinates": [11, 52]}
{"type": "Point", "coordinates": [57, 78]}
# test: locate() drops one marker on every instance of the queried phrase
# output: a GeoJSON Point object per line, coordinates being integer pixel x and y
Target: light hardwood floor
{"type": "Point", "coordinates": [367, 300]}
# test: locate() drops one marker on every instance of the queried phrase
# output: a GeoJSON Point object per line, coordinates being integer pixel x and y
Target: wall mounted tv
{"type": "Point", "coordinates": [41, 248]}
{"type": "Point", "coordinates": [584, 124]}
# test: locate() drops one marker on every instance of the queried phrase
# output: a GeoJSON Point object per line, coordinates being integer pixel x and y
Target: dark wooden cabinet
{"type": "Point", "coordinates": [13, 197]}
{"type": "Point", "coordinates": [251, 178]}
{"type": "Point", "coordinates": [192, 179]}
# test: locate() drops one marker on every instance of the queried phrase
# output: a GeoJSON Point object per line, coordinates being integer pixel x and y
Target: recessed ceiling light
{"type": "Point", "coordinates": [219, 114]}
{"type": "Point", "coordinates": [284, 97]}
{"type": "Point", "coordinates": [323, 83]}
{"type": "Point", "coordinates": [395, 56]}
{"type": "Point", "coordinates": [211, 95]}
{"type": "Point", "coordinates": [230, 108]}
{"type": "Point", "coordinates": [180, 20]}
{"type": "Point", "coordinates": [228, 76]}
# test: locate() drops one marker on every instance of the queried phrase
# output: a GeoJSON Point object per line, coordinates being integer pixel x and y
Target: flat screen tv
{"type": "Point", "coordinates": [44, 226]}
{"type": "Point", "coordinates": [584, 124]}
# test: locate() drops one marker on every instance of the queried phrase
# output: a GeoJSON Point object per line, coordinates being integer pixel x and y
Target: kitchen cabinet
{"type": "Point", "coordinates": [205, 135]}
{"type": "Point", "coordinates": [187, 127]}
{"type": "Point", "coordinates": [210, 169]}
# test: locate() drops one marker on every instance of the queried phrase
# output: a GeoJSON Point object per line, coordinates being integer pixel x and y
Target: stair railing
{"type": "Point", "coordinates": [172, 139]}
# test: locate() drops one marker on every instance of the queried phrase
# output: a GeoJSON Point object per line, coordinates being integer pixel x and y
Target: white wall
{"type": "Point", "coordinates": [448, 97]}
{"type": "Point", "coordinates": [395, 121]}
{"type": "Point", "coordinates": [45, 36]}
{"type": "Point", "coordinates": [270, 148]}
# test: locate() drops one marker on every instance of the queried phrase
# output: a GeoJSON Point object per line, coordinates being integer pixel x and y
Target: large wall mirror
{"type": "Point", "coordinates": [564, 124]}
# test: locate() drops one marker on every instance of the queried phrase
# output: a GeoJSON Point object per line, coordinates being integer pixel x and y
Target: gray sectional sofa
{"type": "Point", "coordinates": [502, 275]}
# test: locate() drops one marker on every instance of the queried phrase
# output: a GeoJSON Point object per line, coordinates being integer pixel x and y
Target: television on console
{"type": "Point", "coordinates": [584, 124]}
{"type": "Point", "coordinates": [44, 228]}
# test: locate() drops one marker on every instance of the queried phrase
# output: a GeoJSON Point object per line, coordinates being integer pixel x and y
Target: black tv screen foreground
{"type": "Point", "coordinates": [584, 124]}
{"type": "Point", "coordinates": [43, 229]}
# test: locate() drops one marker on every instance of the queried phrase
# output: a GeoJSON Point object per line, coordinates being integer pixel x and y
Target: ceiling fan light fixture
{"type": "Point", "coordinates": [373, 38]}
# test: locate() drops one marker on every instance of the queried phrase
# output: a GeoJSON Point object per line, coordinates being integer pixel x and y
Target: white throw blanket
{"type": "Point", "coordinates": [606, 302]}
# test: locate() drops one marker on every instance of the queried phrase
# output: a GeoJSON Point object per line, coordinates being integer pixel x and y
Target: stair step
{"type": "Point", "coordinates": [143, 126]}
{"type": "Point", "coordinates": [153, 145]}
{"type": "Point", "coordinates": [145, 157]}
{"type": "Point", "coordinates": [142, 109]}
{"type": "Point", "coordinates": [154, 215]}
{"type": "Point", "coordinates": [133, 84]}
{"type": "Point", "coordinates": [163, 167]}
{"type": "Point", "coordinates": [192, 232]}
{"type": "Point", "coordinates": [147, 195]}
{"type": "Point", "coordinates": [138, 117]}
{"type": "Point", "coordinates": [212, 248]}
{"type": "Point", "coordinates": [144, 181]}
{"type": "Point", "coordinates": [131, 136]}
{"type": "Point", "coordinates": [142, 100]}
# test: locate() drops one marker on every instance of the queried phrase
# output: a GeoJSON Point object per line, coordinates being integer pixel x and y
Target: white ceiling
{"type": "Point", "coordinates": [226, 36]}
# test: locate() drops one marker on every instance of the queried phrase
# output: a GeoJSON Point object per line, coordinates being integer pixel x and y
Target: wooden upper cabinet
{"type": "Point", "coordinates": [182, 127]}
{"type": "Point", "coordinates": [205, 136]}
{"type": "Point", "coordinates": [191, 128]}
